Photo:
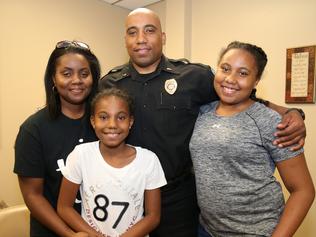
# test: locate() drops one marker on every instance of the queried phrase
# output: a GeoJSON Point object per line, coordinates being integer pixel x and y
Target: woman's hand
{"type": "Point", "coordinates": [80, 234]}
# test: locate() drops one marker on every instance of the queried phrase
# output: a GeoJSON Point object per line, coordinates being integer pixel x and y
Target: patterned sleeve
{"type": "Point", "coordinates": [72, 170]}
{"type": "Point", "coordinates": [155, 175]}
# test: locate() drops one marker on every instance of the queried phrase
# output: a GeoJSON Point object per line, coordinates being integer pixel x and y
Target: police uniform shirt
{"type": "Point", "coordinates": [167, 103]}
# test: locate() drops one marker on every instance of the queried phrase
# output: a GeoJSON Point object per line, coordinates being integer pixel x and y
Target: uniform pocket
{"type": "Point", "coordinates": [175, 112]}
{"type": "Point", "coordinates": [172, 102]}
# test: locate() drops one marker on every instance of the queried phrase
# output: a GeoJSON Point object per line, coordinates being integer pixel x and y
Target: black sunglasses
{"type": "Point", "coordinates": [68, 43]}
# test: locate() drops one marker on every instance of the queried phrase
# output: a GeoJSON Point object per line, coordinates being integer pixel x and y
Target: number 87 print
{"type": "Point", "coordinates": [100, 212]}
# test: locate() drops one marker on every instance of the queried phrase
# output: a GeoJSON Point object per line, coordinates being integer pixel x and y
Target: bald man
{"type": "Point", "coordinates": [167, 94]}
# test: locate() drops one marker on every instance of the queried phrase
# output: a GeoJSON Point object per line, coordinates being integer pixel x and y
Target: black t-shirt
{"type": "Point", "coordinates": [164, 121]}
{"type": "Point", "coordinates": [42, 141]}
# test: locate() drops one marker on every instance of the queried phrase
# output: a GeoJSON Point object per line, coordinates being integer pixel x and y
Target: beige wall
{"type": "Point", "coordinates": [160, 9]}
{"type": "Point", "coordinates": [29, 32]}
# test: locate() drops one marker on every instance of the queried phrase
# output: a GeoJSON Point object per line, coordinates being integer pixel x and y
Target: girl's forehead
{"type": "Point", "coordinates": [238, 52]}
{"type": "Point", "coordinates": [112, 101]}
{"type": "Point", "coordinates": [238, 55]}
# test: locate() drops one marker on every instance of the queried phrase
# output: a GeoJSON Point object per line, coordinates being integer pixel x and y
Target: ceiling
{"type": "Point", "coordinates": [131, 4]}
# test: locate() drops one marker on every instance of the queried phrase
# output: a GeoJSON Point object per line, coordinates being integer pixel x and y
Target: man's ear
{"type": "Point", "coordinates": [163, 37]}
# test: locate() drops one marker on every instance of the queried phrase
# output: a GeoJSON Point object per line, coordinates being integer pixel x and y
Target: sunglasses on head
{"type": "Point", "coordinates": [68, 43]}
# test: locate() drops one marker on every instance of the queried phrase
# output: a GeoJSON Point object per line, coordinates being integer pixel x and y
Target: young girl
{"type": "Point", "coordinates": [234, 159]}
{"type": "Point", "coordinates": [115, 179]}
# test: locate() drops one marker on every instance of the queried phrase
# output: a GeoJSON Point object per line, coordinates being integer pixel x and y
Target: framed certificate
{"type": "Point", "coordinates": [300, 75]}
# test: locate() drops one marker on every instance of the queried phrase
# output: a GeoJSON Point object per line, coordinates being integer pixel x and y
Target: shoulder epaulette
{"type": "Point", "coordinates": [180, 60]}
{"type": "Point", "coordinates": [208, 67]}
{"type": "Point", "coordinates": [186, 61]}
{"type": "Point", "coordinates": [201, 65]}
{"type": "Point", "coordinates": [117, 69]}
{"type": "Point", "coordinates": [117, 73]}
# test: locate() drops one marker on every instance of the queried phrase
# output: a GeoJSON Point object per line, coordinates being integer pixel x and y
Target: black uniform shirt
{"type": "Point", "coordinates": [164, 121]}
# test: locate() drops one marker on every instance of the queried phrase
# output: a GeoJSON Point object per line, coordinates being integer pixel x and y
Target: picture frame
{"type": "Point", "coordinates": [300, 74]}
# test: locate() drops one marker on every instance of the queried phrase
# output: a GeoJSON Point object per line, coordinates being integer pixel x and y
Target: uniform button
{"type": "Point", "coordinates": [145, 84]}
{"type": "Point", "coordinates": [80, 140]}
{"type": "Point", "coordinates": [185, 61]}
{"type": "Point", "coordinates": [144, 106]}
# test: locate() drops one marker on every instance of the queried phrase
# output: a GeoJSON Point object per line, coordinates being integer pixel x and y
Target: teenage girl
{"type": "Point", "coordinates": [119, 183]}
{"type": "Point", "coordinates": [234, 158]}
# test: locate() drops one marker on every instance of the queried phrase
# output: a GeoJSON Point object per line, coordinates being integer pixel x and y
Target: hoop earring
{"type": "Point", "coordinates": [54, 89]}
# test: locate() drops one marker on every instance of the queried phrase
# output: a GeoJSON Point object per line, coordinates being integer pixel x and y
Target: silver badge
{"type": "Point", "coordinates": [171, 86]}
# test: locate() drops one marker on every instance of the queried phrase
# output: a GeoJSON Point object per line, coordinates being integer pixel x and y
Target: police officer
{"type": "Point", "coordinates": [168, 94]}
